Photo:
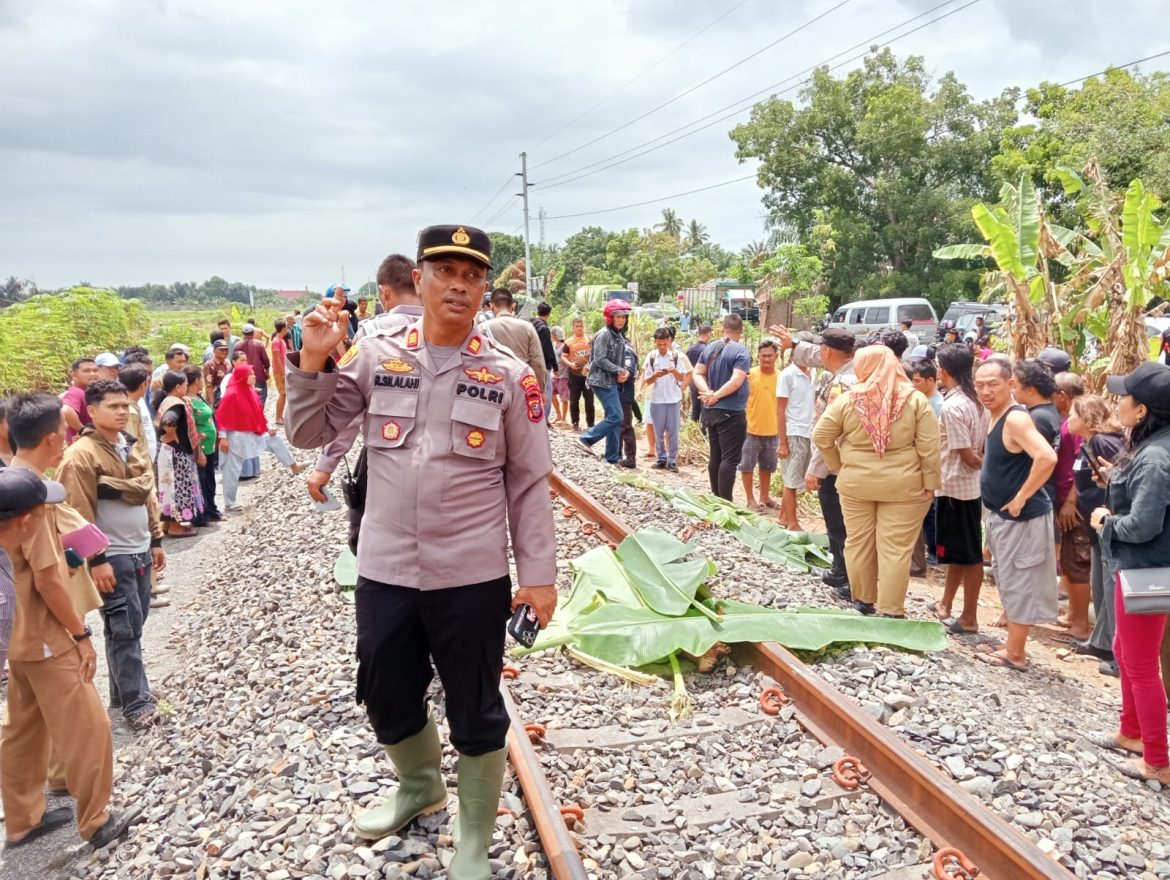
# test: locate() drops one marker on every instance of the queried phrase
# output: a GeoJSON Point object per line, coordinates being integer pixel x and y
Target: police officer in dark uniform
{"type": "Point", "coordinates": [457, 447]}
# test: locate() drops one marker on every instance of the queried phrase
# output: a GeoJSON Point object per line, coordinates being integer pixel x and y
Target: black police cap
{"type": "Point", "coordinates": [467, 241]}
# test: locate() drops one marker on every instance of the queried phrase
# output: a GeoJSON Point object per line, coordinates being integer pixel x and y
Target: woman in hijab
{"type": "Point", "coordinates": [179, 496]}
{"type": "Point", "coordinates": [881, 439]}
{"type": "Point", "coordinates": [244, 432]}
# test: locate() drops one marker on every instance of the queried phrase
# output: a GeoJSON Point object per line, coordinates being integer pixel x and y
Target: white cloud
{"type": "Point", "coordinates": [271, 142]}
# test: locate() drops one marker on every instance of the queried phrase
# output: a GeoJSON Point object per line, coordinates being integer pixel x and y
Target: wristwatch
{"type": "Point", "coordinates": [85, 635]}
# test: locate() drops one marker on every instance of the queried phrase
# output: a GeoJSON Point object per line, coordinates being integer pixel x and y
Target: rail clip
{"type": "Point", "coordinates": [771, 699]}
{"type": "Point", "coordinates": [510, 672]}
{"type": "Point", "coordinates": [535, 733]}
{"type": "Point", "coordinates": [572, 814]}
{"type": "Point", "coordinates": [950, 864]}
{"type": "Point", "coordinates": [848, 772]}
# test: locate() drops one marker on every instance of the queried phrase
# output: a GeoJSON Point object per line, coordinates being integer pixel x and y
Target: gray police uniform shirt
{"type": "Point", "coordinates": [399, 316]}
{"type": "Point", "coordinates": [451, 448]}
{"type": "Point", "coordinates": [828, 387]}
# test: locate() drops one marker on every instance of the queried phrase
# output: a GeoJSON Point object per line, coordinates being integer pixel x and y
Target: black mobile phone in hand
{"type": "Point", "coordinates": [524, 625]}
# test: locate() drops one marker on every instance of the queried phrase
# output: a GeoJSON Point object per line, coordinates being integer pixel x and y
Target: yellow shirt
{"type": "Point", "coordinates": [761, 405]}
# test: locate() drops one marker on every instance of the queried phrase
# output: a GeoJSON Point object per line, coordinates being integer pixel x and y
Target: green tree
{"type": "Point", "coordinates": [887, 159]}
{"type": "Point", "coordinates": [506, 249]}
{"type": "Point", "coordinates": [1120, 119]}
{"type": "Point", "coordinates": [655, 265]}
{"type": "Point", "coordinates": [369, 291]}
{"type": "Point", "coordinates": [581, 249]}
{"type": "Point", "coordinates": [696, 236]}
{"type": "Point", "coordinates": [671, 223]}
{"type": "Point", "coordinates": [596, 275]}
{"type": "Point", "coordinates": [696, 270]}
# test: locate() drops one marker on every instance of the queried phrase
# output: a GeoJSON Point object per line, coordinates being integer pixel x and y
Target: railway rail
{"type": "Point", "coordinates": [967, 839]}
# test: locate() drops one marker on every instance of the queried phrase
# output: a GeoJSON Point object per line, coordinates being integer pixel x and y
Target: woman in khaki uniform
{"type": "Point", "coordinates": [882, 438]}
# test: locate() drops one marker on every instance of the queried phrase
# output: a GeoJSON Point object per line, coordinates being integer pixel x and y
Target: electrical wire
{"type": "Point", "coordinates": [573, 176]}
{"type": "Point", "coordinates": [651, 201]}
{"type": "Point", "coordinates": [695, 87]}
{"type": "Point", "coordinates": [1072, 82]}
{"type": "Point", "coordinates": [496, 195]}
{"type": "Point", "coordinates": [629, 83]}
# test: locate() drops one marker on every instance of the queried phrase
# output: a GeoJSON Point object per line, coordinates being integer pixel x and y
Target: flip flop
{"type": "Point", "coordinates": [51, 820]}
{"type": "Point", "coordinates": [997, 659]}
{"type": "Point", "coordinates": [1067, 639]}
{"type": "Point", "coordinates": [954, 628]}
{"type": "Point", "coordinates": [932, 607]}
{"type": "Point", "coordinates": [1107, 742]}
{"type": "Point", "coordinates": [771, 504]}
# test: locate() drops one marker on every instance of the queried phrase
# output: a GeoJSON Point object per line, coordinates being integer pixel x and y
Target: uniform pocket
{"type": "Point", "coordinates": [475, 429]}
{"type": "Point", "coordinates": [390, 420]}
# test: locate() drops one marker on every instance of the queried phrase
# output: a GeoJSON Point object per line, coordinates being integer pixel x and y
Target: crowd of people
{"type": "Point", "coordinates": [133, 451]}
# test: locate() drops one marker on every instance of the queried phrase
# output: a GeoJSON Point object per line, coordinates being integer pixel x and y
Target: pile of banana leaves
{"type": "Point", "coordinates": [798, 551]}
{"type": "Point", "coordinates": [646, 604]}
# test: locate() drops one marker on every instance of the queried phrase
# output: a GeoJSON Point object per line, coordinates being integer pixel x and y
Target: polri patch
{"type": "Point", "coordinates": [391, 430]}
{"type": "Point", "coordinates": [532, 398]}
{"type": "Point", "coordinates": [484, 375]}
{"type": "Point", "coordinates": [349, 355]}
{"type": "Point", "coordinates": [475, 438]}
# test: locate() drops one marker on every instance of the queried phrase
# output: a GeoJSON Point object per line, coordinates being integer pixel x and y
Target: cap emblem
{"type": "Point", "coordinates": [460, 237]}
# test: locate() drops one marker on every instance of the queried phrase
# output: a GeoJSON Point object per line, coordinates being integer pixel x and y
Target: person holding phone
{"type": "Point", "coordinates": [666, 371]}
{"type": "Point", "coordinates": [437, 396]}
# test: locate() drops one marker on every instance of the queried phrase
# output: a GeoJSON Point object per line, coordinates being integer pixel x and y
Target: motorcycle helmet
{"type": "Point", "coordinates": [615, 307]}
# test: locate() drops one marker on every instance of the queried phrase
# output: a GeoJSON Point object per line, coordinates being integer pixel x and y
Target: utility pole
{"type": "Point", "coordinates": [523, 175]}
{"type": "Point", "coordinates": [542, 213]}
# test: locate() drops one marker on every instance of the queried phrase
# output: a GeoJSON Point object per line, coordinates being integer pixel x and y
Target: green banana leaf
{"type": "Point", "coordinates": [638, 636]}
{"type": "Point", "coordinates": [345, 570]}
{"type": "Point", "coordinates": [651, 559]}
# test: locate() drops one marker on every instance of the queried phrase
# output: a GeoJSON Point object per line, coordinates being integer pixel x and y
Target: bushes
{"type": "Point", "coordinates": [42, 336]}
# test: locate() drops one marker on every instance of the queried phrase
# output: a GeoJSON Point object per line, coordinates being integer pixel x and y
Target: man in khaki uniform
{"type": "Point", "coordinates": [51, 664]}
{"type": "Point", "coordinates": [457, 447]}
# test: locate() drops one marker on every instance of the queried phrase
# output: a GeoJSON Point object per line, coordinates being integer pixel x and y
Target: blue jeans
{"type": "Point", "coordinates": [609, 428]}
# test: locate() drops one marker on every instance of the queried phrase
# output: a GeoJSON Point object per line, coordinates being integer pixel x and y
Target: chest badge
{"type": "Point", "coordinates": [475, 438]}
{"type": "Point", "coordinates": [484, 375]}
{"type": "Point", "coordinates": [397, 365]}
{"type": "Point", "coordinates": [391, 430]}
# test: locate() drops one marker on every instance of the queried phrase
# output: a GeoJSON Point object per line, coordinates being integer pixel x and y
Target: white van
{"type": "Point", "coordinates": [869, 316]}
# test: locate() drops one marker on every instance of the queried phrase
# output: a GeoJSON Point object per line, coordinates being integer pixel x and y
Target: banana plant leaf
{"type": "Point", "coordinates": [345, 570]}
{"type": "Point", "coordinates": [653, 561]}
{"type": "Point", "coordinates": [638, 636]}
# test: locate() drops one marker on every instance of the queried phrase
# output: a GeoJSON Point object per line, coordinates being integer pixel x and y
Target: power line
{"type": "Point", "coordinates": [573, 176]}
{"type": "Point", "coordinates": [695, 87]}
{"type": "Point", "coordinates": [495, 196]}
{"type": "Point", "coordinates": [651, 201]}
{"type": "Point", "coordinates": [629, 83]}
{"type": "Point", "coordinates": [1114, 67]}
{"type": "Point", "coordinates": [503, 209]}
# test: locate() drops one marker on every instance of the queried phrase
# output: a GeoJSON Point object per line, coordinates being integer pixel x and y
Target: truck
{"type": "Point", "coordinates": [721, 297]}
{"type": "Point", "coordinates": [595, 296]}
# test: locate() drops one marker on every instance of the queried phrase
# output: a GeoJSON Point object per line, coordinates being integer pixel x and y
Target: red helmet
{"type": "Point", "coordinates": [615, 307]}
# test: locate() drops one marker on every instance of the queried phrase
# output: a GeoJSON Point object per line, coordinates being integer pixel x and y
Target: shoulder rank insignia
{"type": "Point", "coordinates": [532, 398]}
{"type": "Point", "coordinates": [397, 365]}
{"type": "Point", "coordinates": [475, 438]}
{"type": "Point", "coordinates": [349, 355]}
{"type": "Point", "coordinates": [412, 338]}
{"type": "Point", "coordinates": [391, 430]}
{"type": "Point", "coordinates": [484, 375]}
{"type": "Point", "coordinates": [474, 344]}
{"type": "Point", "coordinates": [460, 237]}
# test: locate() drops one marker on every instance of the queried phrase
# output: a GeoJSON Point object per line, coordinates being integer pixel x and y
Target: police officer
{"type": "Point", "coordinates": [456, 439]}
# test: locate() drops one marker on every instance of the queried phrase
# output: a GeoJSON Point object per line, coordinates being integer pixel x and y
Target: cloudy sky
{"type": "Point", "coordinates": [276, 141]}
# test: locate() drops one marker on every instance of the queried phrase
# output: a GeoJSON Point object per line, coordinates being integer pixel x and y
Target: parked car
{"type": "Point", "coordinates": [872, 316]}
{"type": "Point", "coordinates": [662, 313]}
{"type": "Point", "coordinates": [961, 316]}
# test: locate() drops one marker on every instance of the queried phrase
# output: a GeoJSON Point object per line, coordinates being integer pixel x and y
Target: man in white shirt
{"type": "Point", "coordinates": [794, 417]}
{"type": "Point", "coordinates": [666, 371]}
{"type": "Point", "coordinates": [912, 339]}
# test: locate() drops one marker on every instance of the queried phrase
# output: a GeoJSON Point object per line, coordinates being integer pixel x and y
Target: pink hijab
{"type": "Point", "coordinates": [880, 393]}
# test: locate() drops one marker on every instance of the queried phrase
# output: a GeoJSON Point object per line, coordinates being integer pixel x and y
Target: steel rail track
{"type": "Point", "coordinates": [968, 837]}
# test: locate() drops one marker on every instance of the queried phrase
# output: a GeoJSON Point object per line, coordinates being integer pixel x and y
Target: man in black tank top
{"type": "Point", "coordinates": [1016, 464]}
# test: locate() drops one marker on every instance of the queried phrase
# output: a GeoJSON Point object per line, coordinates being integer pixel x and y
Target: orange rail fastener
{"type": "Point", "coordinates": [949, 863]}
{"type": "Point", "coordinates": [590, 528]}
{"type": "Point", "coordinates": [771, 699]}
{"type": "Point", "coordinates": [510, 672]}
{"type": "Point", "coordinates": [568, 511]}
{"type": "Point", "coordinates": [535, 733]}
{"type": "Point", "coordinates": [572, 815]}
{"type": "Point", "coordinates": [848, 772]}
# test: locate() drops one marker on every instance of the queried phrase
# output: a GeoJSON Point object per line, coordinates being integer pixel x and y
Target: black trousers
{"type": "Point", "coordinates": [834, 521]}
{"type": "Point", "coordinates": [207, 483]}
{"type": "Point", "coordinates": [577, 389]}
{"type": "Point", "coordinates": [400, 630]}
{"type": "Point", "coordinates": [696, 404]}
{"type": "Point", "coordinates": [629, 445]}
{"type": "Point", "coordinates": [726, 431]}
